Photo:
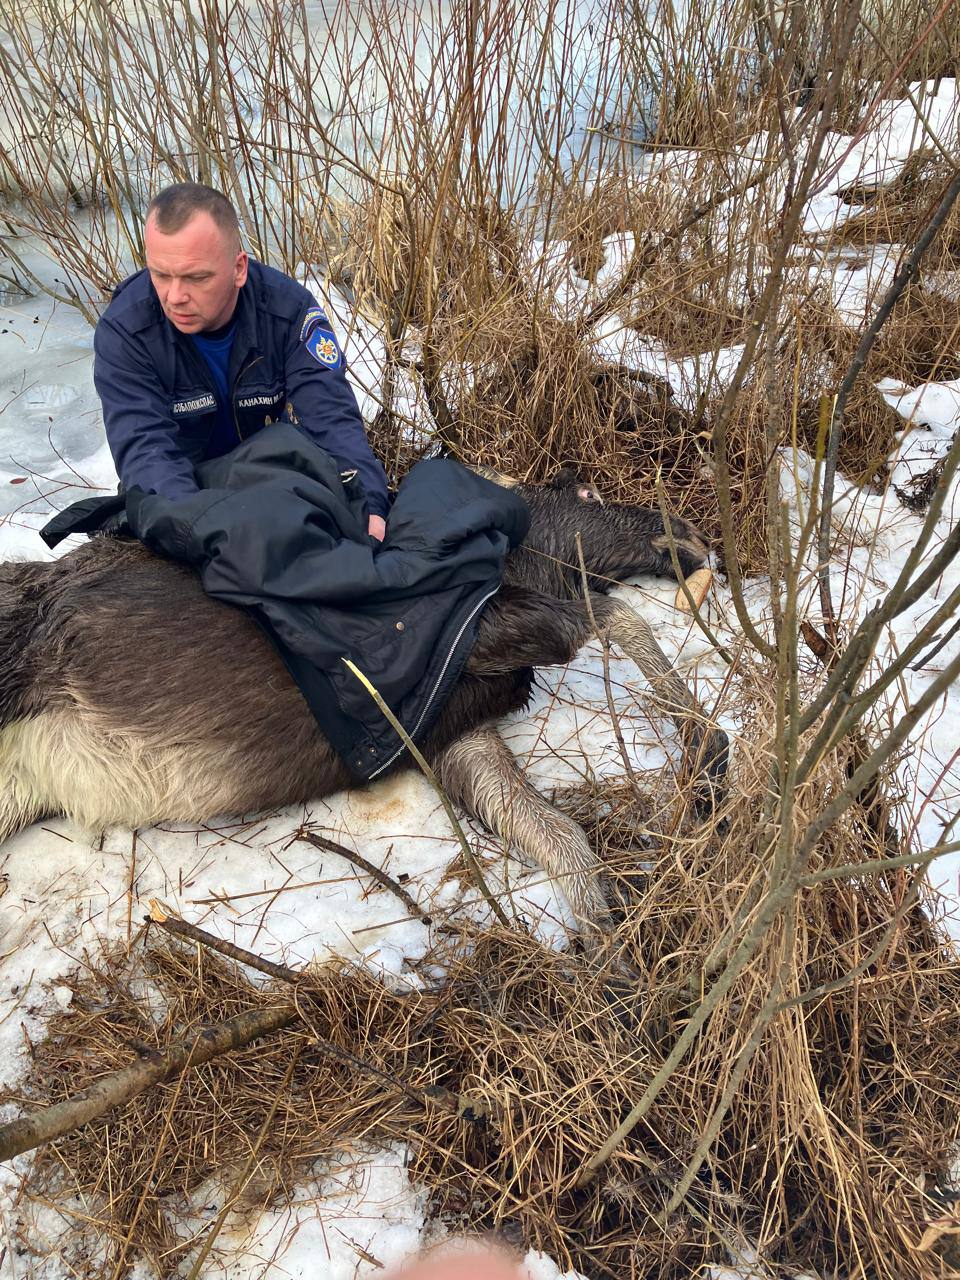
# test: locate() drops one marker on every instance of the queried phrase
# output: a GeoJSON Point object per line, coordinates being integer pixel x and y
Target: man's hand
{"type": "Point", "coordinates": [377, 528]}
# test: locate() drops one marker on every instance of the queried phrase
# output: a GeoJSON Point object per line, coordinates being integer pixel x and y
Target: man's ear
{"type": "Point", "coordinates": [240, 270]}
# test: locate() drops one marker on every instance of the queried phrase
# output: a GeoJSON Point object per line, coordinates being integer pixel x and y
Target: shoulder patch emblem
{"type": "Point", "coordinates": [312, 320]}
{"type": "Point", "coordinates": [317, 337]}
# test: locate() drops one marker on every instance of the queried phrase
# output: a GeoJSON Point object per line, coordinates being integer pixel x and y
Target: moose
{"type": "Point", "coordinates": [128, 697]}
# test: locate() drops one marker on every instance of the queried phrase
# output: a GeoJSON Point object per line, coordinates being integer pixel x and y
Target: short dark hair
{"type": "Point", "coordinates": [173, 207]}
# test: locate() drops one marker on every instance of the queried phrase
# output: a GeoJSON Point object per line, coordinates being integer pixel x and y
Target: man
{"type": "Point", "coordinates": [207, 345]}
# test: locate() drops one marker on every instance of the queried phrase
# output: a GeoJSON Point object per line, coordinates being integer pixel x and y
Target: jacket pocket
{"type": "Point", "coordinates": [194, 415]}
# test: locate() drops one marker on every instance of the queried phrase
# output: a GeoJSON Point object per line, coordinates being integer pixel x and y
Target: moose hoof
{"type": "Point", "coordinates": [589, 904]}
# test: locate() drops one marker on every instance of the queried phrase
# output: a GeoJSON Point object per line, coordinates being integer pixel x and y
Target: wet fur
{"type": "Point", "coordinates": [127, 696]}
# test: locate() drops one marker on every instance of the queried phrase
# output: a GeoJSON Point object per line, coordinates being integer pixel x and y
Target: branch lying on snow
{"type": "Point", "coordinates": [377, 873]}
{"type": "Point", "coordinates": [183, 929]}
{"type": "Point", "coordinates": [119, 1087]}
{"type": "Point", "coordinates": [163, 919]}
{"type": "Point", "coordinates": [37, 1127]}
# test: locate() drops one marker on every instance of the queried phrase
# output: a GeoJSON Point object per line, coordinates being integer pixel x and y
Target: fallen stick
{"type": "Point", "coordinates": [49, 1123]}
{"type": "Point", "coordinates": [29, 1131]}
{"type": "Point", "coordinates": [163, 919]}
{"type": "Point", "coordinates": [358, 860]}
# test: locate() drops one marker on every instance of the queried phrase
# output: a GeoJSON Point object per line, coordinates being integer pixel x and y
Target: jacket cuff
{"type": "Point", "coordinates": [377, 504]}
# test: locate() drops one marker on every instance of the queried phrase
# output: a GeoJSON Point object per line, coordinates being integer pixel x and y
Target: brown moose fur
{"type": "Point", "coordinates": [128, 697]}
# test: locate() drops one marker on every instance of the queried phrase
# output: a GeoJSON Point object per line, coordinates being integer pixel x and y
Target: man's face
{"type": "Point", "coordinates": [197, 273]}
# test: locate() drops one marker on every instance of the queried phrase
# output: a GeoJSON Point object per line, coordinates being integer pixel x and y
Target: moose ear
{"type": "Point", "coordinates": [565, 478]}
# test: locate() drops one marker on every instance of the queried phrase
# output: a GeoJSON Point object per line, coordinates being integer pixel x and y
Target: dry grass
{"type": "Point", "coordinates": [833, 1155]}
{"type": "Point", "coordinates": [896, 213]}
{"type": "Point", "coordinates": [514, 381]}
{"type": "Point", "coordinates": [422, 163]}
{"type": "Point", "coordinates": [815, 353]}
{"type": "Point", "coordinates": [835, 1147]}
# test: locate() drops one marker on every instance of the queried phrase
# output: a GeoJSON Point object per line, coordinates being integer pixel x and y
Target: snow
{"type": "Point", "coordinates": [248, 879]}
{"type": "Point", "coordinates": [689, 376]}
{"type": "Point", "coordinates": [358, 1211]}
{"type": "Point", "coordinates": [252, 881]}
{"type": "Point", "coordinates": [878, 156]}
{"type": "Point", "coordinates": [856, 280]}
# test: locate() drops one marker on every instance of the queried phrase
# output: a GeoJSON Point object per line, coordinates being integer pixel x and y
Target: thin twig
{"type": "Point", "coordinates": [377, 873]}
{"type": "Point", "coordinates": [903, 278]}
{"type": "Point", "coordinates": [161, 917]}
{"type": "Point", "coordinates": [431, 777]}
{"type": "Point", "coordinates": [684, 585]}
{"type": "Point", "coordinates": [130, 884]}
{"type": "Point", "coordinates": [604, 639]}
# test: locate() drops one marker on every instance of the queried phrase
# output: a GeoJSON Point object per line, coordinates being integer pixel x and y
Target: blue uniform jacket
{"type": "Point", "coordinates": [159, 397]}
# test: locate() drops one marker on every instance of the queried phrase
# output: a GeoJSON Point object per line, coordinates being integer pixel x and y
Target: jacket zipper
{"type": "Point", "coordinates": [433, 692]}
{"type": "Point", "coordinates": [233, 394]}
{"type": "Point", "coordinates": [200, 364]}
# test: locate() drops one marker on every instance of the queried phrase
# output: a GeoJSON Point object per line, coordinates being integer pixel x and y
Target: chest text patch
{"type": "Point", "coordinates": [206, 401]}
{"type": "Point", "coordinates": [317, 337]}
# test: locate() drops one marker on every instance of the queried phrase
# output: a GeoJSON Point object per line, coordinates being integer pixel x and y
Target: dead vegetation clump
{"type": "Point", "coordinates": [917, 493]}
{"type": "Point", "coordinates": [897, 212]}
{"type": "Point", "coordinates": [512, 383]}
{"type": "Point", "coordinates": [584, 215]}
{"type": "Point", "coordinates": [829, 1126]}
{"type": "Point", "coordinates": [920, 341]}
{"type": "Point", "coordinates": [425, 261]}
{"type": "Point", "coordinates": [695, 295]}
{"type": "Point", "coordinates": [504, 361]}
{"type": "Point", "coordinates": [550, 401]}
{"type": "Point", "coordinates": [685, 304]}
{"type": "Point", "coordinates": [815, 353]}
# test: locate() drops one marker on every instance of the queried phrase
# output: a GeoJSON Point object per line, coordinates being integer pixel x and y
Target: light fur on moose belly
{"type": "Point", "coordinates": [67, 763]}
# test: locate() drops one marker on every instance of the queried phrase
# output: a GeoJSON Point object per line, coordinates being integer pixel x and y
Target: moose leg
{"type": "Point", "coordinates": [524, 627]}
{"type": "Point", "coordinates": [479, 772]}
{"type": "Point", "coordinates": [707, 745]}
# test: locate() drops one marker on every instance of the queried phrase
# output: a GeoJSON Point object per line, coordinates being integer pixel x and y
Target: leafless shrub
{"type": "Point", "coordinates": [828, 1081]}
{"type": "Point", "coordinates": [784, 1067]}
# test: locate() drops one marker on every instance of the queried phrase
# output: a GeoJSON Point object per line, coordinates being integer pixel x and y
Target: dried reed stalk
{"type": "Point", "coordinates": [832, 1051]}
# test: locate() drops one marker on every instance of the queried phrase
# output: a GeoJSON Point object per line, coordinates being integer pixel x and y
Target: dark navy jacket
{"type": "Point", "coordinates": [276, 532]}
{"type": "Point", "coordinates": [159, 397]}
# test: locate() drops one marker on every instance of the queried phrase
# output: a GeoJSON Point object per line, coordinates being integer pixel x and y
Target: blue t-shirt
{"type": "Point", "coordinates": [215, 347]}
